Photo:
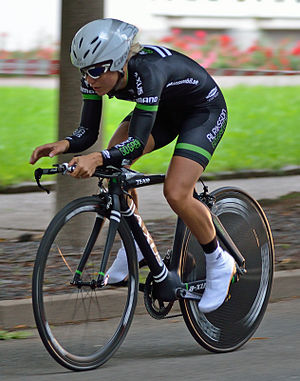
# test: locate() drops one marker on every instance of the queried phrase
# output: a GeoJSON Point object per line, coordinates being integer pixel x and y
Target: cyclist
{"type": "Point", "coordinates": [175, 97]}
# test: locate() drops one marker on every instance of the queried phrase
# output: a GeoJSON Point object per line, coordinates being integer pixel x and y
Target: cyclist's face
{"type": "Point", "coordinates": [105, 83]}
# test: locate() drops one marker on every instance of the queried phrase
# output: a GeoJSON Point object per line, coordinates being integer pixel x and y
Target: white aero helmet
{"type": "Point", "coordinates": [103, 40]}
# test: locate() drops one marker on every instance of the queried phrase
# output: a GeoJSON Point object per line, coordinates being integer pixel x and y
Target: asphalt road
{"type": "Point", "coordinates": [160, 350]}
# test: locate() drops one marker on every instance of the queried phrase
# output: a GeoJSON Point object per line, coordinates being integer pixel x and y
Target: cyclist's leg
{"type": "Point", "coordinates": [192, 153]}
{"type": "Point", "coordinates": [179, 185]}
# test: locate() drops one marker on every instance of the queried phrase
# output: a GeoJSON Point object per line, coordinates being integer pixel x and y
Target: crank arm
{"type": "Point", "coordinates": [181, 293]}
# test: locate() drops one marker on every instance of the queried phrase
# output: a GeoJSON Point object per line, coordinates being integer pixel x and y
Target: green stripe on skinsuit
{"type": "Point", "coordinates": [192, 147]}
{"type": "Point", "coordinates": [91, 96]}
{"type": "Point", "coordinates": [146, 107]}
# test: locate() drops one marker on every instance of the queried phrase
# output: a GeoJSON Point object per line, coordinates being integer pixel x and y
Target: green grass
{"type": "Point", "coordinates": [263, 130]}
{"type": "Point", "coordinates": [28, 119]}
{"type": "Point", "coordinates": [8, 335]}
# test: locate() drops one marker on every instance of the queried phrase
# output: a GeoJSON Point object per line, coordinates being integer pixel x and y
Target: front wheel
{"type": "Point", "coordinates": [233, 324]}
{"type": "Point", "coordinates": [82, 325]}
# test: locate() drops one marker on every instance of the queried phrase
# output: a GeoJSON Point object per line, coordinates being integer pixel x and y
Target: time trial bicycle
{"type": "Point", "coordinates": [82, 319]}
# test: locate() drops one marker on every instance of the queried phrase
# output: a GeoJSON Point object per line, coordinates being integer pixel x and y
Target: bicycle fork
{"type": "Point", "coordinates": [115, 218]}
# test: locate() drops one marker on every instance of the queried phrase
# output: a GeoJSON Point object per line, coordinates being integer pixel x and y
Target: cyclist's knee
{"type": "Point", "coordinates": [177, 197]}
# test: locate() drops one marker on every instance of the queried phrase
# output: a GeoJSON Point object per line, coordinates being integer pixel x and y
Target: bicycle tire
{"type": "Point", "coordinates": [234, 323]}
{"type": "Point", "coordinates": [80, 327]}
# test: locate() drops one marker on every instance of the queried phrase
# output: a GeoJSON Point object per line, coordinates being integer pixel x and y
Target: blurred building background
{"type": "Point", "coordinates": [32, 24]}
{"type": "Point", "coordinates": [244, 20]}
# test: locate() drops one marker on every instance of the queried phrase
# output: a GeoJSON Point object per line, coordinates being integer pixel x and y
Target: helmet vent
{"type": "Point", "coordinates": [80, 42]}
{"type": "Point", "coordinates": [96, 47]}
{"type": "Point", "coordinates": [86, 53]}
{"type": "Point", "coordinates": [74, 54]}
{"type": "Point", "coordinates": [94, 40]}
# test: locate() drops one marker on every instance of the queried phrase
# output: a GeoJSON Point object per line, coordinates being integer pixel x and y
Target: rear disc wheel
{"type": "Point", "coordinates": [232, 324]}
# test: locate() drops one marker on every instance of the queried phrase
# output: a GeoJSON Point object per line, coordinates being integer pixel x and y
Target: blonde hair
{"type": "Point", "coordinates": [134, 49]}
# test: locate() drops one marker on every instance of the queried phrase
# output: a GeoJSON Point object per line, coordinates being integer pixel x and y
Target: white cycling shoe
{"type": "Point", "coordinates": [119, 269]}
{"type": "Point", "coordinates": [220, 268]}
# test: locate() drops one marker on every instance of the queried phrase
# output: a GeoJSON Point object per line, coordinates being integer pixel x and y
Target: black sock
{"type": "Point", "coordinates": [211, 246]}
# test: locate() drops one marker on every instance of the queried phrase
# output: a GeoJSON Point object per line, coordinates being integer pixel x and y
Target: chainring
{"type": "Point", "coordinates": [155, 307]}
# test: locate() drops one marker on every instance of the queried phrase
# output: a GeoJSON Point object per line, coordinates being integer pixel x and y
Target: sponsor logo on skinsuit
{"type": "Point", "coordinates": [128, 146]}
{"type": "Point", "coordinates": [80, 131]}
{"type": "Point", "coordinates": [139, 84]}
{"type": "Point", "coordinates": [147, 100]}
{"type": "Point", "coordinates": [217, 131]}
{"type": "Point", "coordinates": [212, 94]}
{"type": "Point", "coordinates": [187, 81]}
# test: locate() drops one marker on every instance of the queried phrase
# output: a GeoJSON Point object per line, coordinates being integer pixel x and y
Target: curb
{"type": "Point", "coordinates": [292, 170]}
{"type": "Point", "coordinates": [27, 187]}
{"type": "Point", "coordinates": [16, 313]}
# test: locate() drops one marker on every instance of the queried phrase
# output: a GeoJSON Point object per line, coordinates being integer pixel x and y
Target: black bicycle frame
{"type": "Point", "coordinates": [168, 279]}
{"type": "Point", "coordinates": [121, 181]}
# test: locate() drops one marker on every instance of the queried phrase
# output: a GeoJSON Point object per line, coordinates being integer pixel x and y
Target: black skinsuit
{"type": "Point", "coordinates": [174, 96]}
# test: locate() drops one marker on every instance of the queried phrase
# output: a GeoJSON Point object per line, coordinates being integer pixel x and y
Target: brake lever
{"type": "Point", "coordinates": [38, 173]}
{"type": "Point", "coordinates": [58, 168]}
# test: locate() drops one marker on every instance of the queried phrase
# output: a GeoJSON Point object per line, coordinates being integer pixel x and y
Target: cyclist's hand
{"type": "Point", "coordinates": [51, 150]}
{"type": "Point", "coordinates": [86, 165]}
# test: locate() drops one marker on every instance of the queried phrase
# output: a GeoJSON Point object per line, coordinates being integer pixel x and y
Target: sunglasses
{"type": "Point", "coordinates": [95, 71]}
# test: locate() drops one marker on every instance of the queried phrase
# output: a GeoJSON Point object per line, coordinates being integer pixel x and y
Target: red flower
{"type": "Point", "coordinates": [225, 40]}
{"type": "Point", "coordinates": [268, 52]}
{"type": "Point", "coordinates": [181, 44]}
{"type": "Point", "coordinates": [296, 50]}
{"type": "Point", "coordinates": [284, 61]}
{"type": "Point", "coordinates": [200, 34]}
{"type": "Point", "coordinates": [253, 48]}
{"type": "Point", "coordinates": [176, 31]}
{"type": "Point", "coordinates": [167, 39]}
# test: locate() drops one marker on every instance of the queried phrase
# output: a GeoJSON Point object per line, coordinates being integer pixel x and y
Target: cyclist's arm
{"type": "Point", "coordinates": [141, 123]}
{"type": "Point", "coordinates": [140, 128]}
{"type": "Point", "coordinates": [86, 134]}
